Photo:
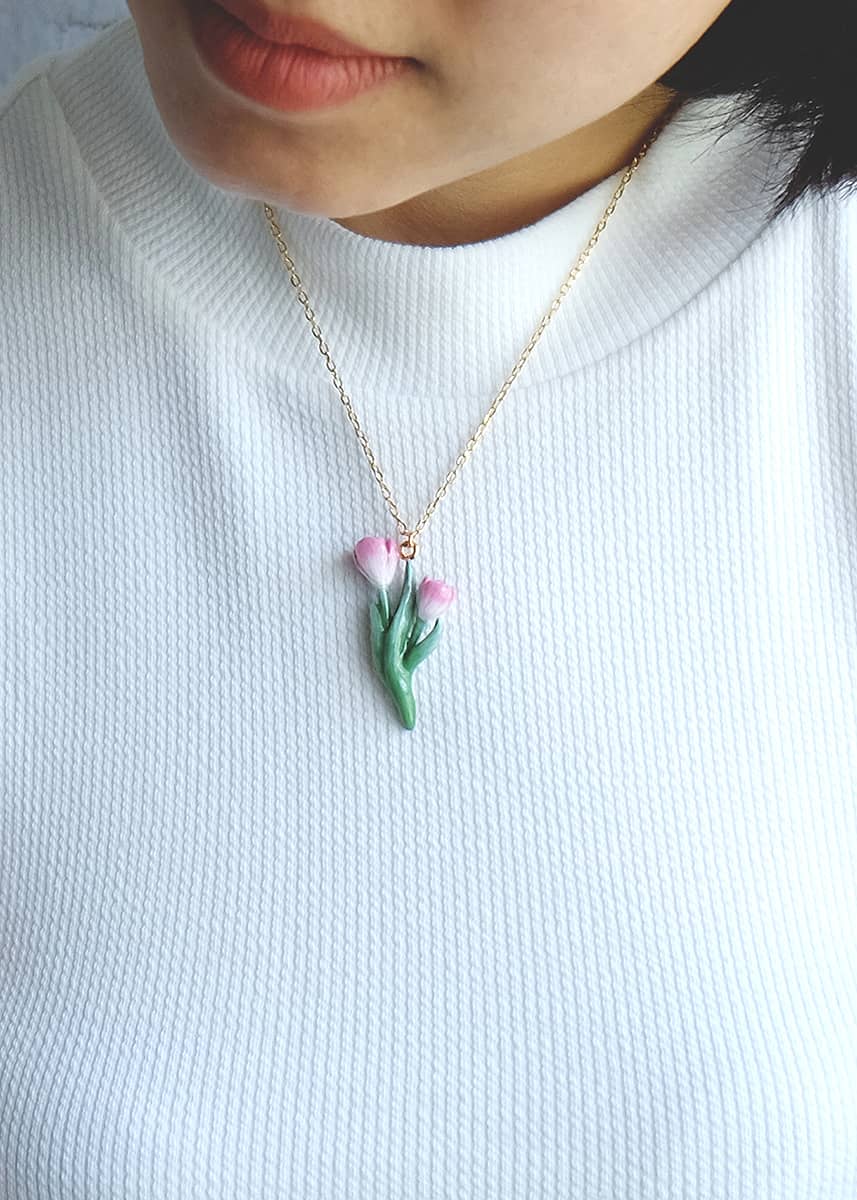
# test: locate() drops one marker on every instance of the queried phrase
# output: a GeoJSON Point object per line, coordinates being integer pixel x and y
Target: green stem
{"type": "Point", "coordinates": [416, 632]}
{"type": "Point", "coordinates": [376, 636]}
{"type": "Point", "coordinates": [403, 697]}
{"type": "Point", "coordinates": [383, 599]}
{"type": "Point", "coordinates": [419, 650]}
{"type": "Point", "coordinates": [397, 678]}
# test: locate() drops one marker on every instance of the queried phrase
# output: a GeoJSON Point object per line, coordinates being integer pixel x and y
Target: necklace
{"type": "Point", "coordinates": [397, 635]}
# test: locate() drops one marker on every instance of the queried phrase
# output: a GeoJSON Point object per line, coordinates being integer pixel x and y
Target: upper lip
{"type": "Point", "coordinates": [294, 31]}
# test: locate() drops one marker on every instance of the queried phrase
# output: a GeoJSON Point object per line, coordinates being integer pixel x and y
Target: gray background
{"type": "Point", "coordinates": [29, 28]}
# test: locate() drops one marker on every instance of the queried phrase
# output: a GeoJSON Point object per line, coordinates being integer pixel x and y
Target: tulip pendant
{"type": "Point", "coordinates": [400, 638]}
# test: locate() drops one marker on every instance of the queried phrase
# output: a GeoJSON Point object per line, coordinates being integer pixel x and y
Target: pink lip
{"type": "Point", "coordinates": [289, 77]}
{"type": "Point", "coordinates": [295, 31]}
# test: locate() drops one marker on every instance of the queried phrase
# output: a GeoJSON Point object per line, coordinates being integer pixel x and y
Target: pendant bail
{"type": "Point", "coordinates": [408, 545]}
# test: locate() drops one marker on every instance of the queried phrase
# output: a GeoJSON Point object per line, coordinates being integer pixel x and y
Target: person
{"type": "Point", "coordinates": [566, 910]}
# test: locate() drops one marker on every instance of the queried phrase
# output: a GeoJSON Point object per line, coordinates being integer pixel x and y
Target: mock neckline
{"type": "Point", "coordinates": [417, 319]}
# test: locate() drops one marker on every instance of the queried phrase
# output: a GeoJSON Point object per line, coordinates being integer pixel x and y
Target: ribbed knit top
{"type": "Point", "coordinates": [588, 931]}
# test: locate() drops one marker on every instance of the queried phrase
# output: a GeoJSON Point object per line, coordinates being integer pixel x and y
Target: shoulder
{"type": "Point", "coordinates": [29, 184]}
{"type": "Point", "coordinates": [27, 75]}
{"type": "Point", "coordinates": [20, 99]}
{"type": "Point", "coordinates": [46, 200]}
{"type": "Point", "coordinates": [37, 143]}
{"type": "Point", "coordinates": [25, 101]}
{"type": "Point", "coordinates": [829, 241]}
{"type": "Point", "coordinates": [32, 130]}
{"type": "Point", "coordinates": [808, 256]}
{"type": "Point", "coordinates": [847, 206]}
{"type": "Point", "coordinates": [833, 219]}
{"type": "Point", "coordinates": [45, 223]}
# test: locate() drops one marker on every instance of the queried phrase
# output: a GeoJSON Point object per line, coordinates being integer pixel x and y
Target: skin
{"type": "Point", "coordinates": [512, 109]}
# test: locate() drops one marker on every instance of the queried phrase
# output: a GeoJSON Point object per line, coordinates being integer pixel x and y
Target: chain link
{"type": "Point", "coordinates": [408, 546]}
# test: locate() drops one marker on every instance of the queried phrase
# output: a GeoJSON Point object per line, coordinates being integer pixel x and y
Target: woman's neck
{"type": "Point", "coordinates": [524, 189]}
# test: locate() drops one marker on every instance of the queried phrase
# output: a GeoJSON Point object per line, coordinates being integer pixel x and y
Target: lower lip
{"type": "Point", "coordinates": [288, 78]}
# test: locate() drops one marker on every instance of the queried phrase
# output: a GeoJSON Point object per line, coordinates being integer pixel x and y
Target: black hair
{"type": "Point", "coordinates": [792, 68]}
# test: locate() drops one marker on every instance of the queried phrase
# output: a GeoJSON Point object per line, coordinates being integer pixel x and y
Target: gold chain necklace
{"type": "Point", "coordinates": [396, 640]}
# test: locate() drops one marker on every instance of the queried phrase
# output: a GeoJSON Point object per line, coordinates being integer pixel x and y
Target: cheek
{"type": "Point", "coordinates": [514, 64]}
{"type": "Point", "coordinates": [508, 65]}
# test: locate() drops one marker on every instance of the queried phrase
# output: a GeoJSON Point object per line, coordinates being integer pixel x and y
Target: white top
{"type": "Point", "coordinates": [589, 930]}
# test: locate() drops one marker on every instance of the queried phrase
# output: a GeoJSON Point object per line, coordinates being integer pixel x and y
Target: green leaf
{"type": "Point", "coordinates": [383, 601]}
{"type": "Point", "coordinates": [400, 626]}
{"type": "Point", "coordinates": [419, 650]}
{"type": "Point", "coordinates": [376, 635]}
{"type": "Point", "coordinates": [398, 680]}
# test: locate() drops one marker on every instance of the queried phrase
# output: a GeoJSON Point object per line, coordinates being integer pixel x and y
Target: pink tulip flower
{"type": "Point", "coordinates": [434, 597]}
{"type": "Point", "coordinates": [377, 558]}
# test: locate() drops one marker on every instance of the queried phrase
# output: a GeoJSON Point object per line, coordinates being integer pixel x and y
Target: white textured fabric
{"type": "Point", "coordinates": [589, 930]}
{"type": "Point", "coordinates": [29, 28]}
